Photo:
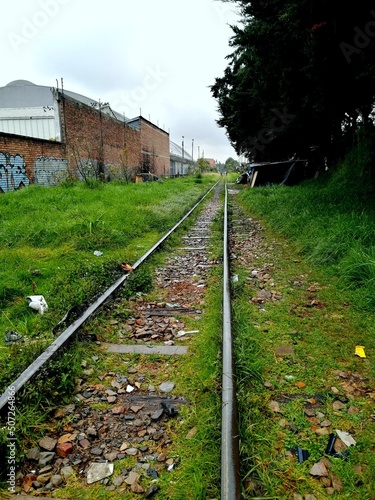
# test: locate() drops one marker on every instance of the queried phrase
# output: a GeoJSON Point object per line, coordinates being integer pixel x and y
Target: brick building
{"type": "Point", "coordinates": [154, 147]}
{"type": "Point", "coordinates": [46, 134]}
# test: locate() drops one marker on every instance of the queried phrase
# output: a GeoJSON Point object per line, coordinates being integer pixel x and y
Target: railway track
{"type": "Point", "coordinates": [123, 414]}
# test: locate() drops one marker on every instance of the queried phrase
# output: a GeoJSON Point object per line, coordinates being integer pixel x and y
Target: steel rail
{"type": "Point", "coordinates": [66, 335]}
{"type": "Point", "coordinates": [230, 477]}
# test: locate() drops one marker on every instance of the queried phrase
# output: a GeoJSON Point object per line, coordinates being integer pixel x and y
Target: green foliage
{"type": "Point", "coordinates": [231, 165]}
{"type": "Point", "coordinates": [278, 96]}
{"type": "Point", "coordinates": [139, 281]}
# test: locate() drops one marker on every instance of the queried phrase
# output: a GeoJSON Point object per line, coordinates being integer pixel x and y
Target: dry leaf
{"type": "Point", "coordinates": [191, 433]}
{"type": "Point", "coordinates": [337, 484]}
{"type": "Point", "coordinates": [337, 405]}
{"type": "Point", "coordinates": [274, 406]}
{"type": "Point", "coordinates": [300, 385]}
{"type": "Point", "coordinates": [319, 469]}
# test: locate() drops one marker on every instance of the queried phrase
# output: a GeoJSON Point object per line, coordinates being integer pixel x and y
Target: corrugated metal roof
{"type": "Point", "coordinates": [36, 122]}
{"type": "Point", "coordinates": [176, 150]}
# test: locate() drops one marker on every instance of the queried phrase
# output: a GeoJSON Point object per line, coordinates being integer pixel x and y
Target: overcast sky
{"type": "Point", "coordinates": [157, 56]}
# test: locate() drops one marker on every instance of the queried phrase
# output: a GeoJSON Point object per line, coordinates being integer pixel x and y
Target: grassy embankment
{"type": "Point", "coordinates": [320, 243]}
{"type": "Point", "coordinates": [47, 241]}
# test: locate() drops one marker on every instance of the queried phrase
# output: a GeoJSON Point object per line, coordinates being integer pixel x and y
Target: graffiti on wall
{"type": "Point", "coordinates": [48, 171]}
{"type": "Point", "coordinates": [12, 172]}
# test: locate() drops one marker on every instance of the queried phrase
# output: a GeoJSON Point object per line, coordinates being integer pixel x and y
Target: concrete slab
{"type": "Point", "coordinates": [168, 350]}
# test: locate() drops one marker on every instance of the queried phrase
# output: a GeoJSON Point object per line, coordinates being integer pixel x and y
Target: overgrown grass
{"type": "Point", "coordinates": [331, 219]}
{"type": "Point", "coordinates": [319, 237]}
{"type": "Point", "coordinates": [55, 386]}
{"type": "Point", "coordinates": [47, 241]}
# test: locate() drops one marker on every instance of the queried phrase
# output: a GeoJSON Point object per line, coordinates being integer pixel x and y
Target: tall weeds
{"type": "Point", "coordinates": [331, 220]}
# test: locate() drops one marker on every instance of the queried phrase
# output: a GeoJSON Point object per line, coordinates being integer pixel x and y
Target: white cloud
{"type": "Point", "coordinates": [159, 56]}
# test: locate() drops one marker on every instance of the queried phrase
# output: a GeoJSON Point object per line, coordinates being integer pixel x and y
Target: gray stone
{"type": "Point", "coordinates": [111, 456]}
{"type": "Point", "coordinates": [132, 478]}
{"type": "Point", "coordinates": [56, 480]}
{"type": "Point", "coordinates": [46, 457]}
{"type": "Point", "coordinates": [118, 481]}
{"type": "Point", "coordinates": [33, 454]}
{"type": "Point", "coordinates": [132, 451]}
{"type": "Point", "coordinates": [44, 478]}
{"type": "Point", "coordinates": [157, 414]}
{"type": "Point", "coordinates": [47, 443]}
{"type": "Point", "coordinates": [167, 386]}
{"type": "Point", "coordinates": [152, 490]}
{"type": "Point", "coordinates": [47, 468]}
{"type": "Point", "coordinates": [96, 451]}
{"type": "Point", "coordinates": [66, 472]}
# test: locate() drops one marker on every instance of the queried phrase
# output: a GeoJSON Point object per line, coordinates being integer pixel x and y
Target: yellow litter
{"type": "Point", "coordinates": [360, 351]}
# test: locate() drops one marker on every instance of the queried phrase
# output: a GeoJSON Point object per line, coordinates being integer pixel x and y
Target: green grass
{"type": "Point", "coordinates": [319, 237]}
{"type": "Point", "coordinates": [47, 241]}
{"type": "Point", "coordinates": [54, 387]}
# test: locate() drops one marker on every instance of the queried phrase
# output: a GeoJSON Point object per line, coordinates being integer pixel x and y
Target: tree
{"type": "Point", "coordinates": [292, 61]}
{"type": "Point", "coordinates": [202, 165]}
{"type": "Point", "coordinates": [231, 165]}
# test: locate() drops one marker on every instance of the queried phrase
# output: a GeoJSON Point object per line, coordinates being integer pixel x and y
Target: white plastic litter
{"type": "Point", "coordinates": [38, 303]}
{"type": "Point", "coordinates": [346, 438]}
{"type": "Point", "coordinates": [181, 333]}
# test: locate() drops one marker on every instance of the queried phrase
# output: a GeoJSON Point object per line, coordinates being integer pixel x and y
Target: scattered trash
{"type": "Point", "coordinates": [73, 313]}
{"type": "Point", "coordinates": [331, 443]}
{"type": "Point", "coordinates": [235, 278]}
{"type": "Point", "coordinates": [301, 454]}
{"type": "Point", "coordinates": [99, 471]}
{"type": "Point", "coordinates": [126, 267]}
{"type": "Point", "coordinates": [97, 253]}
{"type": "Point", "coordinates": [330, 450]}
{"type": "Point", "coordinates": [181, 333]}
{"type": "Point", "coordinates": [12, 338]}
{"type": "Point", "coordinates": [169, 409]}
{"type": "Point", "coordinates": [129, 388]}
{"type": "Point", "coordinates": [346, 438]}
{"type": "Point", "coordinates": [360, 351]}
{"type": "Point", "coordinates": [289, 377]}
{"type": "Point", "coordinates": [153, 473]}
{"type": "Point", "coordinates": [38, 303]}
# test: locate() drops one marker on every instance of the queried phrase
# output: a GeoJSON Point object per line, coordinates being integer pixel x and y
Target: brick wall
{"type": "Point", "coordinates": [18, 157]}
{"type": "Point", "coordinates": [155, 148]}
{"type": "Point", "coordinates": [90, 139]}
{"type": "Point", "coordinates": [93, 135]}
